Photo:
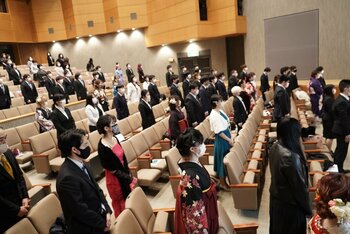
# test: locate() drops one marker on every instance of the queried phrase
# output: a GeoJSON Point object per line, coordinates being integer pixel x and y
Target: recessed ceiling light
{"type": "Point", "coordinates": [163, 45]}
{"type": "Point", "coordinates": [53, 41]}
{"type": "Point", "coordinates": [90, 35]}
{"type": "Point", "coordinates": [133, 29]}
{"type": "Point", "coordinates": [118, 31]}
{"type": "Point", "coordinates": [191, 40]}
{"type": "Point", "coordinates": [77, 37]}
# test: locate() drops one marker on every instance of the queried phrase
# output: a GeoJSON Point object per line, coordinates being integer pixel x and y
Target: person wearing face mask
{"type": "Point", "coordinates": [28, 89]}
{"type": "Point", "coordinates": [60, 88]}
{"type": "Point", "coordinates": [316, 92]}
{"type": "Point", "coordinates": [244, 72]}
{"type": "Point", "coordinates": [177, 122]}
{"type": "Point", "coordinates": [281, 99]}
{"type": "Point", "coordinates": [239, 108]}
{"type": "Point", "coordinates": [79, 86]}
{"type": "Point", "coordinates": [133, 90]}
{"type": "Point", "coordinates": [327, 115]}
{"type": "Point", "coordinates": [100, 94]}
{"type": "Point", "coordinates": [129, 73]}
{"type": "Point", "coordinates": [43, 115]}
{"type": "Point", "coordinates": [61, 116]}
{"type": "Point", "coordinates": [220, 125]}
{"type": "Point", "coordinates": [174, 90]}
{"type": "Point", "coordinates": [5, 98]}
{"type": "Point", "coordinates": [93, 111]}
{"type": "Point", "coordinates": [83, 203]}
{"type": "Point", "coordinates": [59, 69]}
{"type": "Point", "coordinates": [194, 109]}
{"type": "Point", "coordinates": [221, 87]}
{"type": "Point", "coordinates": [264, 82]}
{"type": "Point", "coordinates": [119, 180]}
{"type": "Point", "coordinates": [205, 93]}
{"type": "Point", "coordinates": [186, 77]}
{"type": "Point", "coordinates": [250, 87]}
{"type": "Point", "coordinates": [14, 74]}
{"type": "Point", "coordinates": [118, 72]}
{"type": "Point", "coordinates": [50, 84]}
{"type": "Point", "coordinates": [212, 89]}
{"type": "Point", "coordinates": [50, 59]}
{"type": "Point", "coordinates": [120, 103]}
{"type": "Point", "coordinates": [153, 91]}
{"type": "Point", "coordinates": [145, 82]}
{"type": "Point", "coordinates": [321, 79]}
{"type": "Point", "coordinates": [145, 110]}
{"type": "Point", "coordinates": [168, 75]}
{"type": "Point", "coordinates": [14, 199]}
{"type": "Point", "coordinates": [293, 80]}
{"type": "Point", "coordinates": [101, 77]}
{"type": "Point", "coordinates": [232, 81]}
{"type": "Point", "coordinates": [196, 199]}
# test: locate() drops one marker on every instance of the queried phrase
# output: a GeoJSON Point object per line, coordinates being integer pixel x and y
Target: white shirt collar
{"type": "Point", "coordinates": [346, 97]}
{"type": "Point", "coordinates": [76, 162]}
{"type": "Point", "coordinates": [278, 84]}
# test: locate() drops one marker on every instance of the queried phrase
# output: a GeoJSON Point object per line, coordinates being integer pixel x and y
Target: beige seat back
{"type": "Point", "coordinates": [27, 130]}
{"type": "Point", "coordinates": [45, 212]}
{"type": "Point", "coordinates": [94, 139]}
{"type": "Point", "coordinates": [2, 116]}
{"type": "Point", "coordinates": [53, 133]}
{"type": "Point", "coordinates": [124, 127]}
{"type": "Point", "coordinates": [75, 115]}
{"type": "Point", "coordinates": [133, 107]}
{"type": "Point", "coordinates": [139, 144]}
{"type": "Point", "coordinates": [234, 169]}
{"type": "Point", "coordinates": [79, 124]}
{"type": "Point", "coordinates": [165, 121]}
{"type": "Point", "coordinates": [73, 98]}
{"type": "Point", "coordinates": [25, 109]}
{"type": "Point", "coordinates": [82, 113]}
{"type": "Point", "coordinates": [160, 130]}
{"type": "Point", "coordinates": [13, 139]}
{"type": "Point", "coordinates": [17, 101]}
{"type": "Point", "coordinates": [12, 112]}
{"type": "Point", "coordinates": [172, 159]}
{"type": "Point", "coordinates": [150, 136]}
{"type": "Point", "coordinates": [48, 148]}
{"type": "Point", "coordinates": [126, 223]}
{"type": "Point", "coordinates": [225, 224]}
{"type": "Point", "coordinates": [129, 152]}
{"type": "Point", "coordinates": [134, 121]}
{"type": "Point", "coordinates": [23, 226]}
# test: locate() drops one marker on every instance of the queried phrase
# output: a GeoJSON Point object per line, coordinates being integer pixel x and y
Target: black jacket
{"type": "Point", "coordinates": [264, 83]}
{"type": "Point", "coordinates": [168, 78]}
{"type": "Point", "coordinates": [154, 93]}
{"type": "Point", "coordinates": [50, 86]}
{"type": "Point", "coordinates": [175, 117]}
{"type": "Point", "coordinates": [220, 86]}
{"type": "Point", "coordinates": [185, 87]}
{"type": "Point", "coordinates": [12, 192]}
{"type": "Point", "coordinates": [101, 77]}
{"type": "Point", "coordinates": [80, 89]}
{"type": "Point", "coordinates": [81, 200]}
{"type": "Point", "coordinates": [129, 73]}
{"type": "Point", "coordinates": [341, 115]}
{"type": "Point", "coordinates": [204, 96]}
{"type": "Point", "coordinates": [121, 106]}
{"type": "Point", "coordinates": [147, 115]}
{"type": "Point", "coordinates": [13, 75]}
{"type": "Point", "coordinates": [174, 90]}
{"type": "Point", "coordinates": [232, 82]}
{"type": "Point", "coordinates": [194, 110]}
{"type": "Point", "coordinates": [61, 122]}
{"type": "Point", "coordinates": [41, 76]}
{"type": "Point", "coordinates": [289, 178]}
{"type": "Point", "coordinates": [68, 85]}
{"type": "Point", "coordinates": [293, 83]}
{"type": "Point", "coordinates": [50, 60]}
{"type": "Point", "coordinates": [58, 90]}
{"type": "Point", "coordinates": [5, 98]}
{"type": "Point", "coordinates": [240, 114]}
{"type": "Point", "coordinates": [29, 94]}
{"type": "Point", "coordinates": [282, 103]}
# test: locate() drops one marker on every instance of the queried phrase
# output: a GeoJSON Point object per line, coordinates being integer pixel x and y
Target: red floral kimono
{"type": "Point", "coordinates": [196, 201]}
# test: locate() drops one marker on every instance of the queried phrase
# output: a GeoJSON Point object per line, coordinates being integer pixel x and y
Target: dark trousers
{"type": "Point", "coordinates": [92, 128]}
{"type": "Point", "coordinates": [340, 152]}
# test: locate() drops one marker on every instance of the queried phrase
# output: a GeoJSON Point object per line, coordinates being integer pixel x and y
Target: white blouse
{"type": "Point", "coordinates": [133, 93]}
{"type": "Point", "coordinates": [217, 122]}
{"type": "Point", "coordinates": [92, 114]}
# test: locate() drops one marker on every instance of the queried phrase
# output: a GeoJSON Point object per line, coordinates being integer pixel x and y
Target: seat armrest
{"type": "Point", "coordinates": [41, 163]}
{"type": "Point", "coordinates": [134, 132]}
{"type": "Point", "coordinates": [210, 149]}
{"type": "Point", "coordinates": [234, 186]}
{"type": "Point", "coordinates": [27, 142]}
{"type": "Point", "coordinates": [133, 171]}
{"type": "Point", "coordinates": [40, 155]}
{"type": "Point", "coordinates": [144, 161]}
{"type": "Point", "coordinates": [266, 117]}
{"type": "Point", "coordinates": [168, 210]}
{"type": "Point", "coordinates": [245, 228]}
{"type": "Point", "coordinates": [156, 152]}
{"type": "Point", "coordinates": [176, 177]}
{"type": "Point", "coordinates": [313, 151]}
{"type": "Point", "coordinates": [315, 160]}
{"type": "Point", "coordinates": [204, 159]}
{"type": "Point", "coordinates": [165, 144]}
{"type": "Point", "coordinates": [46, 186]}
{"type": "Point", "coordinates": [256, 171]}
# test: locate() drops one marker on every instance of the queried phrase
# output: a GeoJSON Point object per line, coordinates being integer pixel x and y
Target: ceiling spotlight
{"type": "Point", "coordinates": [163, 45]}
{"type": "Point", "coordinates": [90, 35]}
{"type": "Point", "coordinates": [118, 31]}
{"type": "Point", "coordinates": [77, 37]}
{"type": "Point", "coordinates": [133, 29]}
{"type": "Point", "coordinates": [53, 41]}
{"type": "Point", "coordinates": [191, 40]}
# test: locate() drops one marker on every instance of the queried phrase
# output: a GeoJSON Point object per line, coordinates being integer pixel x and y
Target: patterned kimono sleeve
{"type": "Point", "coordinates": [193, 208]}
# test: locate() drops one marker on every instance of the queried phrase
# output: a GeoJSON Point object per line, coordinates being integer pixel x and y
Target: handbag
{"type": "Point", "coordinates": [183, 125]}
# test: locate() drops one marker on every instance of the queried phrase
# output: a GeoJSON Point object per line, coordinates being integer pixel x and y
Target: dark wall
{"type": "Point", "coordinates": [234, 53]}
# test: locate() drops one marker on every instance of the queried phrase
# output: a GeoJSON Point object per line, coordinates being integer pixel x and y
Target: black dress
{"type": "Point", "coordinates": [327, 117]}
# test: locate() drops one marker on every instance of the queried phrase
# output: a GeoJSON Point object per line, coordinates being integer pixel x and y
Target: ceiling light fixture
{"type": "Point", "coordinates": [90, 35]}
{"type": "Point", "coordinates": [118, 31]}
{"type": "Point", "coordinates": [77, 37]}
{"type": "Point", "coordinates": [191, 40]}
{"type": "Point", "coordinates": [133, 29]}
{"type": "Point", "coordinates": [53, 41]}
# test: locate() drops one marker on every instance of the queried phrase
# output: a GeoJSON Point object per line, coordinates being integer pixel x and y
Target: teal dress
{"type": "Point", "coordinates": [221, 148]}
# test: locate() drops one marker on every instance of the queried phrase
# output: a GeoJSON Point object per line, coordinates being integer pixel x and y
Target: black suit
{"type": "Point", "coordinates": [204, 96]}
{"type": "Point", "coordinates": [129, 73]}
{"type": "Point", "coordinates": [232, 82]}
{"type": "Point", "coordinates": [61, 122]}
{"type": "Point", "coordinates": [186, 87]}
{"type": "Point", "coordinates": [80, 89]}
{"type": "Point", "coordinates": [220, 86]}
{"type": "Point", "coordinates": [264, 85]}
{"type": "Point", "coordinates": [59, 90]}
{"type": "Point", "coordinates": [41, 77]}
{"type": "Point", "coordinates": [147, 115]}
{"type": "Point", "coordinates": [50, 86]}
{"type": "Point", "coordinates": [68, 85]}
{"type": "Point", "coordinates": [341, 129]}
{"type": "Point", "coordinates": [194, 110]}
{"type": "Point", "coordinates": [121, 106]}
{"type": "Point", "coordinates": [293, 83]}
{"type": "Point", "coordinates": [15, 75]}
{"type": "Point", "coordinates": [12, 192]}
{"type": "Point", "coordinates": [81, 200]}
{"type": "Point", "coordinates": [240, 113]}
{"type": "Point", "coordinates": [154, 93]}
{"type": "Point", "coordinates": [168, 78]}
{"type": "Point", "coordinates": [282, 103]}
{"type": "Point", "coordinates": [29, 93]}
{"type": "Point", "coordinates": [50, 61]}
{"type": "Point", "coordinates": [175, 91]}
{"type": "Point", "coordinates": [5, 99]}
{"type": "Point", "coordinates": [101, 77]}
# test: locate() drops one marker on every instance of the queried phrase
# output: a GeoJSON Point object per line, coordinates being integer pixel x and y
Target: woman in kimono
{"type": "Point", "coordinates": [196, 200]}
{"type": "Point", "coordinates": [220, 125]}
{"type": "Point", "coordinates": [176, 115]}
{"type": "Point", "coordinates": [316, 92]}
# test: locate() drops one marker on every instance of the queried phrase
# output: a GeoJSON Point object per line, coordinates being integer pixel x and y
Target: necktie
{"type": "Point", "coordinates": [85, 171]}
{"type": "Point", "coordinates": [6, 165]}
{"type": "Point", "coordinates": [3, 88]}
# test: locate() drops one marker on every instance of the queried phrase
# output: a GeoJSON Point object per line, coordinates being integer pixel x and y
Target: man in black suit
{"type": "Point", "coordinates": [240, 111]}
{"type": "Point", "coordinates": [168, 75]}
{"type": "Point", "coordinates": [293, 80]}
{"type": "Point", "coordinates": [84, 205]}
{"type": "Point", "coordinates": [153, 91]}
{"type": "Point", "coordinates": [281, 99]}
{"type": "Point", "coordinates": [186, 77]}
{"type": "Point", "coordinates": [14, 74]}
{"type": "Point", "coordinates": [174, 90]}
{"type": "Point", "coordinates": [129, 72]}
{"type": "Point", "coordinates": [101, 76]}
{"type": "Point", "coordinates": [120, 103]}
{"type": "Point", "coordinates": [5, 98]}
{"type": "Point", "coordinates": [68, 83]}
{"type": "Point", "coordinates": [195, 113]}
{"type": "Point", "coordinates": [220, 86]}
{"type": "Point", "coordinates": [264, 82]}
{"type": "Point", "coordinates": [205, 94]}
{"type": "Point", "coordinates": [232, 81]}
{"type": "Point", "coordinates": [28, 89]}
{"type": "Point", "coordinates": [341, 125]}
{"type": "Point", "coordinates": [14, 201]}
{"type": "Point", "coordinates": [50, 84]}
{"type": "Point", "coordinates": [60, 88]}
{"type": "Point", "coordinates": [41, 75]}
{"type": "Point", "coordinates": [79, 87]}
{"type": "Point", "coordinates": [61, 116]}
{"type": "Point", "coordinates": [146, 111]}
{"type": "Point", "coordinates": [244, 72]}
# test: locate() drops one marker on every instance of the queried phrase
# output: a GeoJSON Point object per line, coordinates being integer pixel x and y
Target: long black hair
{"type": "Point", "coordinates": [188, 139]}
{"type": "Point", "coordinates": [328, 91]}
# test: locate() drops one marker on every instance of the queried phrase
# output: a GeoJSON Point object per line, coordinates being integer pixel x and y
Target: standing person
{"type": "Point", "coordinates": [5, 98]}
{"type": "Point", "coordinates": [68, 83]}
{"type": "Point", "coordinates": [120, 103]}
{"type": "Point", "coordinates": [174, 90]}
{"type": "Point", "coordinates": [133, 90]}
{"type": "Point", "coordinates": [341, 125]}
{"type": "Point", "coordinates": [93, 111]}
{"type": "Point", "coordinates": [205, 94]}
{"type": "Point", "coordinates": [264, 82]}
{"type": "Point", "coordinates": [221, 87]}
{"type": "Point", "coordinates": [43, 115]}
{"type": "Point", "coordinates": [176, 115]}
{"type": "Point", "coordinates": [129, 72]}
{"type": "Point", "coordinates": [232, 81]}
{"type": "Point", "coordinates": [281, 99]}
{"type": "Point", "coordinates": [145, 83]}
{"type": "Point", "coordinates": [196, 199]}
{"type": "Point", "coordinates": [60, 88]}
{"type": "Point", "coordinates": [168, 75]}
{"type": "Point", "coordinates": [100, 94]}
{"type": "Point", "coordinates": [59, 69]}
{"type": "Point", "coordinates": [244, 72]}
{"type": "Point", "coordinates": [194, 109]}
{"type": "Point", "coordinates": [101, 76]}
{"type": "Point", "coordinates": [119, 74]}
{"type": "Point", "coordinates": [14, 201]}
{"type": "Point", "coordinates": [41, 76]}
{"type": "Point", "coordinates": [250, 86]}
{"type": "Point", "coordinates": [119, 180]}
{"type": "Point", "coordinates": [79, 87]}
{"type": "Point", "coordinates": [239, 109]}
{"type": "Point", "coordinates": [15, 74]}
{"type": "Point", "coordinates": [145, 110]}
{"type": "Point", "coordinates": [321, 79]}
{"type": "Point", "coordinates": [50, 60]}
{"type": "Point", "coordinates": [28, 89]}
{"type": "Point", "coordinates": [220, 125]}
{"type": "Point", "coordinates": [293, 84]}
{"type": "Point", "coordinates": [60, 59]}
{"type": "Point", "coordinates": [50, 84]}
{"type": "Point", "coordinates": [141, 73]}
{"type": "Point", "coordinates": [316, 91]}
{"type": "Point", "coordinates": [153, 91]}
{"type": "Point", "coordinates": [212, 89]}
{"type": "Point", "coordinates": [61, 116]}
{"type": "Point", "coordinates": [327, 115]}
{"type": "Point", "coordinates": [84, 205]}
{"type": "Point", "coordinates": [289, 197]}
{"type": "Point", "coordinates": [186, 84]}
{"type": "Point", "coordinates": [90, 65]}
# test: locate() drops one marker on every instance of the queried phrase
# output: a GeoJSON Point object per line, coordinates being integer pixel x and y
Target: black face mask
{"type": "Point", "coordinates": [85, 153]}
{"type": "Point", "coordinates": [115, 129]}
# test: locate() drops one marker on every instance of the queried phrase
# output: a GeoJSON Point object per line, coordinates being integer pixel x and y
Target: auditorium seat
{"type": "Point", "coordinates": [75, 115]}
{"type": "Point", "coordinates": [82, 113]}
{"type": "Point", "coordinates": [23, 226]}
{"type": "Point", "coordinates": [2, 116]}
{"type": "Point", "coordinates": [126, 223]}
{"type": "Point", "coordinates": [133, 107]}
{"type": "Point", "coordinates": [24, 109]}
{"type": "Point", "coordinates": [12, 112]}
{"type": "Point", "coordinates": [53, 133]}
{"type": "Point", "coordinates": [93, 160]}
{"type": "Point", "coordinates": [79, 124]}
{"type": "Point", "coordinates": [27, 130]}
{"type": "Point", "coordinates": [124, 128]}
{"type": "Point", "coordinates": [172, 160]}
{"type": "Point", "coordinates": [73, 98]}
{"type": "Point", "coordinates": [18, 101]}
{"type": "Point", "coordinates": [135, 123]}
{"type": "Point", "coordinates": [158, 112]}
{"type": "Point", "coordinates": [14, 141]}
{"type": "Point", "coordinates": [157, 147]}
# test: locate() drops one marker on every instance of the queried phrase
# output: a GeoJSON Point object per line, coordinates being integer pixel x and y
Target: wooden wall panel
{"type": "Point", "coordinates": [49, 14]}
{"type": "Point", "coordinates": [6, 30]}
{"type": "Point", "coordinates": [69, 19]}
{"type": "Point", "coordinates": [126, 7]}
{"type": "Point", "coordinates": [110, 8]}
{"type": "Point", "coordinates": [37, 51]}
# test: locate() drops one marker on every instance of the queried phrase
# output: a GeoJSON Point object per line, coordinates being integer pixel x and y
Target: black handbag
{"type": "Point", "coordinates": [59, 226]}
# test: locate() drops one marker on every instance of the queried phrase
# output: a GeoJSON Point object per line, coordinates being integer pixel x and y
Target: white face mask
{"type": "Point", "coordinates": [197, 92]}
{"type": "Point", "coordinates": [215, 80]}
{"type": "Point", "coordinates": [122, 91]}
{"type": "Point", "coordinates": [202, 149]}
{"type": "Point", "coordinates": [334, 91]}
{"type": "Point", "coordinates": [61, 81]}
{"type": "Point", "coordinates": [179, 103]}
{"type": "Point", "coordinates": [63, 102]}
{"type": "Point", "coordinates": [95, 101]}
{"type": "Point", "coordinates": [3, 148]}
